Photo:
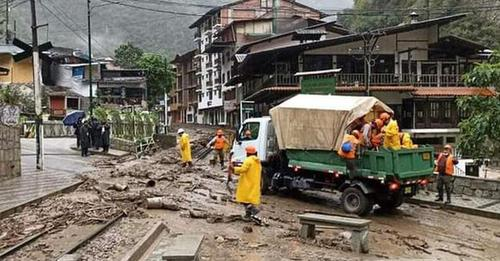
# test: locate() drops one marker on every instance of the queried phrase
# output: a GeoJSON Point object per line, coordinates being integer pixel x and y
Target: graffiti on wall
{"type": "Point", "coordinates": [9, 115]}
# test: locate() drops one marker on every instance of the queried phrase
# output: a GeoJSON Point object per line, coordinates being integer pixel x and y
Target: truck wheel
{"type": "Point", "coordinates": [394, 202]}
{"type": "Point", "coordinates": [265, 181]}
{"type": "Point", "coordinates": [354, 201]}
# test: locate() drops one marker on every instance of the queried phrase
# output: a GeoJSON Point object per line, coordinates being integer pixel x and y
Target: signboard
{"type": "Point", "coordinates": [318, 85]}
{"type": "Point", "coordinates": [230, 106]}
{"type": "Point", "coordinates": [9, 115]}
{"type": "Point", "coordinates": [246, 110]}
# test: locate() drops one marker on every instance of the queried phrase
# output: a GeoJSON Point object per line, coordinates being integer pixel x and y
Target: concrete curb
{"type": "Point", "coordinates": [471, 211]}
{"type": "Point", "coordinates": [145, 243]}
{"type": "Point", "coordinates": [18, 207]}
{"type": "Point", "coordinates": [98, 152]}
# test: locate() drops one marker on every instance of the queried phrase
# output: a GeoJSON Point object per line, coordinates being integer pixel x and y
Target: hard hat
{"type": "Point", "coordinates": [356, 133]}
{"type": "Point", "coordinates": [251, 149]}
{"type": "Point", "coordinates": [384, 116]}
{"type": "Point", "coordinates": [181, 130]}
{"type": "Point", "coordinates": [448, 147]}
{"type": "Point", "coordinates": [347, 147]}
{"type": "Point", "coordinates": [379, 123]}
{"type": "Point", "coordinates": [220, 132]}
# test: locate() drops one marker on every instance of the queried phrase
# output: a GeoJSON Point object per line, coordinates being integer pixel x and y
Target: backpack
{"type": "Point", "coordinates": [347, 147]}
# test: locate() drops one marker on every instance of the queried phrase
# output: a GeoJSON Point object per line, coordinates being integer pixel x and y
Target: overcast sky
{"type": "Point", "coordinates": [328, 4]}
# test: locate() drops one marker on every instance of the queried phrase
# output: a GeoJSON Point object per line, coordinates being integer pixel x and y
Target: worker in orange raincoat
{"type": "Point", "coordinates": [348, 151]}
{"type": "Point", "coordinates": [391, 132]}
{"type": "Point", "coordinates": [376, 134]}
{"type": "Point", "coordinates": [185, 148]}
{"type": "Point", "coordinates": [445, 167]}
{"type": "Point", "coordinates": [218, 143]}
{"type": "Point", "coordinates": [248, 190]}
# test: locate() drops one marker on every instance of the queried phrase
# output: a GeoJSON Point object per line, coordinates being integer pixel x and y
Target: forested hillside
{"type": "Point", "coordinates": [482, 24]}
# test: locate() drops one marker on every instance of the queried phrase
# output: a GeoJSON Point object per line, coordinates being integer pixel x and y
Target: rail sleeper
{"type": "Point", "coordinates": [358, 227]}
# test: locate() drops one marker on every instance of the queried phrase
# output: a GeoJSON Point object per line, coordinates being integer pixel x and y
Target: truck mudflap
{"type": "Point", "coordinates": [357, 183]}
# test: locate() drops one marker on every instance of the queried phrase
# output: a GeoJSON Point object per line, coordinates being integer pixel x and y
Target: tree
{"type": "Point", "coordinates": [159, 75]}
{"type": "Point", "coordinates": [481, 24]}
{"type": "Point", "coordinates": [479, 133]}
{"type": "Point", "coordinates": [127, 56]}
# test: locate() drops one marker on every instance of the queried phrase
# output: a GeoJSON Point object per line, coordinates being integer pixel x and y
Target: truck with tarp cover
{"type": "Point", "coordinates": [298, 147]}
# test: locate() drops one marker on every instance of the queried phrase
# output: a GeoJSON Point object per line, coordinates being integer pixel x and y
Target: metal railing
{"type": "Point", "coordinates": [433, 80]}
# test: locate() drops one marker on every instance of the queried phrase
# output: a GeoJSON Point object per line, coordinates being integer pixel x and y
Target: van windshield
{"type": "Point", "coordinates": [250, 131]}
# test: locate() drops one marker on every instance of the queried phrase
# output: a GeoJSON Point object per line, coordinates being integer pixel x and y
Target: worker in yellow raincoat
{"type": "Point", "coordinates": [391, 132]}
{"type": "Point", "coordinates": [185, 147]}
{"type": "Point", "coordinates": [248, 190]}
{"type": "Point", "coordinates": [406, 142]}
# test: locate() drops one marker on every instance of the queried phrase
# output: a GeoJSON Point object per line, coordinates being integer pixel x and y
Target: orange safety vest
{"type": "Point", "coordinates": [449, 164]}
{"type": "Point", "coordinates": [219, 143]}
{"type": "Point", "coordinates": [351, 154]}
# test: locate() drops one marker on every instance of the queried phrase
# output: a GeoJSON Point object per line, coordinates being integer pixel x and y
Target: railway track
{"type": "Point", "coordinates": [73, 246]}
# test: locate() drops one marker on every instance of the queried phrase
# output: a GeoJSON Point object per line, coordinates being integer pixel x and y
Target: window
{"type": "Point", "coordinates": [72, 103]}
{"type": "Point", "coordinates": [447, 111]}
{"type": "Point", "coordinates": [210, 95]}
{"type": "Point", "coordinates": [434, 110]}
{"type": "Point", "coordinates": [253, 127]}
{"type": "Point", "coordinates": [199, 97]}
{"type": "Point", "coordinates": [220, 94]}
{"type": "Point", "coordinates": [266, 3]}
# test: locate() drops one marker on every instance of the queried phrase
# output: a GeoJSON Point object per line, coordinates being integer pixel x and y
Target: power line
{"type": "Point", "coordinates": [68, 27]}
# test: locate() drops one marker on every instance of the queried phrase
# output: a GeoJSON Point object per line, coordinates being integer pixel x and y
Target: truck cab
{"type": "Point", "coordinates": [262, 137]}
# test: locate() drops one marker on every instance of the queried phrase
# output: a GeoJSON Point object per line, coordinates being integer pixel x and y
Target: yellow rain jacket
{"type": "Point", "coordinates": [406, 142]}
{"type": "Point", "coordinates": [185, 148]}
{"type": "Point", "coordinates": [391, 137]}
{"type": "Point", "coordinates": [248, 190]}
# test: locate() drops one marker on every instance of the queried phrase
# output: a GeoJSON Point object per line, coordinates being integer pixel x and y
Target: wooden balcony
{"type": "Point", "coordinates": [431, 80]}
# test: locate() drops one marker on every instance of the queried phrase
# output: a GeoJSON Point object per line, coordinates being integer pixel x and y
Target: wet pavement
{"type": "Point", "coordinates": [61, 167]}
{"type": "Point", "coordinates": [471, 205]}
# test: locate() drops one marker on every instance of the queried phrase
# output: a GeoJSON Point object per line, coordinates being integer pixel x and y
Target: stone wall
{"type": "Point", "coordinates": [10, 152]}
{"type": "Point", "coordinates": [477, 187]}
{"type": "Point", "coordinates": [122, 144]}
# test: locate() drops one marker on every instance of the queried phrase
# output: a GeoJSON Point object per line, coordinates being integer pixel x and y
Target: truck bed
{"type": "Point", "coordinates": [404, 164]}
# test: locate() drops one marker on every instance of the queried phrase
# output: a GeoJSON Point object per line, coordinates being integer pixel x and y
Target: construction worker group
{"type": "Point", "coordinates": [248, 190]}
{"type": "Point", "coordinates": [384, 131]}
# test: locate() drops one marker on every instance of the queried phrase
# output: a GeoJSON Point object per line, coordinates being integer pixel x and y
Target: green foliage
{"type": "Point", "coordinates": [10, 96]}
{"type": "Point", "coordinates": [481, 25]}
{"type": "Point", "coordinates": [101, 114]}
{"type": "Point", "coordinates": [479, 133]}
{"type": "Point", "coordinates": [159, 75]}
{"type": "Point", "coordinates": [127, 56]}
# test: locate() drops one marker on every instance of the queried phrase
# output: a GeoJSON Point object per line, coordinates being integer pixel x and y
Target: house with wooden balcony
{"type": "Point", "coordinates": [122, 87]}
{"type": "Point", "coordinates": [412, 67]}
{"type": "Point", "coordinates": [217, 40]}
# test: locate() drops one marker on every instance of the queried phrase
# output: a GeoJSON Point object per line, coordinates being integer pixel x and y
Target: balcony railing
{"type": "Point", "coordinates": [431, 80]}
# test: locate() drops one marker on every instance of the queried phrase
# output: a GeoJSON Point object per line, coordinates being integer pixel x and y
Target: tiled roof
{"type": "Point", "coordinates": [454, 91]}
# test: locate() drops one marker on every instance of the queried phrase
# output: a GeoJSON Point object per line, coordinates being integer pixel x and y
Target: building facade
{"type": "Point", "coordinates": [183, 94]}
{"type": "Point", "coordinates": [216, 48]}
{"type": "Point", "coordinates": [413, 68]}
{"type": "Point", "coordinates": [122, 87]}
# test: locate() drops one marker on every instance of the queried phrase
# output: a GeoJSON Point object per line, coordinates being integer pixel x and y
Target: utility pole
{"type": "Point", "coordinates": [370, 40]}
{"type": "Point", "coordinates": [91, 105]}
{"type": "Point", "coordinates": [7, 38]}
{"type": "Point", "coordinates": [276, 6]}
{"type": "Point", "coordinates": [428, 9]}
{"type": "Point", "coordinates": [38, 92]}
{"type": "Point", "coordinates": [165, 97]}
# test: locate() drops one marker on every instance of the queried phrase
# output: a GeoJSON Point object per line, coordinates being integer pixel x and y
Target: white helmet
{"type": "Point", "coordinates": [181, 130]}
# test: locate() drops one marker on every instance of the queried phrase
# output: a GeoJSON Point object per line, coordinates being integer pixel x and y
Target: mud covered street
{"type": "Point", "coordinates": [197, 201]}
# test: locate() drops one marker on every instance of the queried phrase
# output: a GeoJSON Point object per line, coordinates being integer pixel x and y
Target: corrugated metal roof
{"type": "Point", "coordinates": [454, 91]}
{"type": "Point", "coordinates": [12, 49]}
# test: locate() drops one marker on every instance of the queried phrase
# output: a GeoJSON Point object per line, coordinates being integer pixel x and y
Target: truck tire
{"type": "Point", "coordinates": [392, 203]}
{"type": "Point", "coordinates": [265, 182]}
{"type": "Point", "coordinates": [354, 201]}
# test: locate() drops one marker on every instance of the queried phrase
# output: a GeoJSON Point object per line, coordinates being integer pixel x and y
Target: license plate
{"type": "Point", "coordinates": [408, 190]}
{"type": "Point", "coordinates": [426, 156]}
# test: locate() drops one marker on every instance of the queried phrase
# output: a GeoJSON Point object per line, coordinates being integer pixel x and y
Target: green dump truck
{"type": "Point", "coordinates": [298, 148]}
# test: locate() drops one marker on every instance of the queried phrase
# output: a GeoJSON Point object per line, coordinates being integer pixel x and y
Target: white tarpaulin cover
{"type": "Point", "coordinates": [319, 122]}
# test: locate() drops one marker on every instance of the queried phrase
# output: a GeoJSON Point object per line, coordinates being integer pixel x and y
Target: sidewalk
{"type": "Point", "coordinates": [62, 165]}
{"type": "Point", "coordinates": [111, 152]}
{"type": "Point", "coordinates": [461, 203]}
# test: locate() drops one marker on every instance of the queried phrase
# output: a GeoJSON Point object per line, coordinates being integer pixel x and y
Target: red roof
{"type": "Point", "coordinates": [376, 88]}
{"type": "Point", "coordinates": [454, 91]}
